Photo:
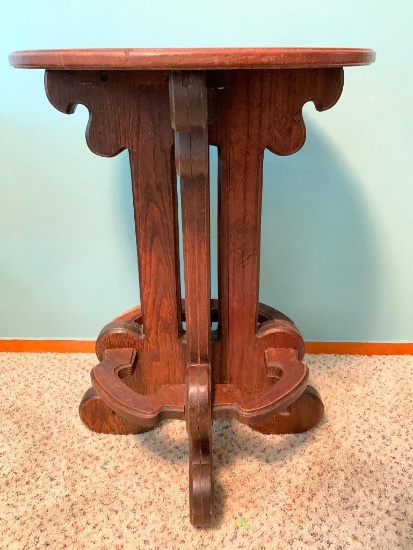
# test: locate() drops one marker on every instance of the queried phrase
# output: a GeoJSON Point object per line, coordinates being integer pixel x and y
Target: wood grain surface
{"type": "Point", "coordinates": [254, 110]}
{"type": "Point", "coordinates": [246, 111]}
{"type": "Point", "coordinates": [191, 58]}
{"type": "Point", "coordinates": [188, 97]}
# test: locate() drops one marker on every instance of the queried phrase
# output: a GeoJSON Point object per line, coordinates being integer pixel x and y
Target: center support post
{"type": "Point", "coordinates": [189, 117]}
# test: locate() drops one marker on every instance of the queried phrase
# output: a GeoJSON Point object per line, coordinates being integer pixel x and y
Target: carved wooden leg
{"type": "Point", "coordinates": [131, 110]}
{"type": "Point", "coordinates": [255, 110]}
{"type": "Point", "coordinates": [189, 115]}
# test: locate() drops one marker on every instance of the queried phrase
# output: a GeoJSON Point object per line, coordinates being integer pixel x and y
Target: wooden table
{"type": "Point", "coordinates": [166, 106]}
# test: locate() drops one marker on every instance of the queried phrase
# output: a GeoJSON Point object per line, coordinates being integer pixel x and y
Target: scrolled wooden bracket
{"type": "Point", "coordinates": [119, 334]}
{"type": "Point", "coordinates": [108, 96]}
{"type": "Point", "coordinates": [249, 408]}
{"type": "Point", "coordinates": [198, 404]}
{"type": "Point", "coordinates": [146, 410]}
{"type": "Point", "coordinates": [189, 117]}
{"type": "Point", "coordinates": [276, 333]}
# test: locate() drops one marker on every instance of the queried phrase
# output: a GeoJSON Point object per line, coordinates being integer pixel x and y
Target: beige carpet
{"type": "Point", "coordinates": [346, 484]}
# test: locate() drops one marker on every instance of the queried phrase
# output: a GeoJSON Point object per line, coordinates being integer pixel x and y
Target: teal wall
{"type": "Point", "coordinates": [337, 216]}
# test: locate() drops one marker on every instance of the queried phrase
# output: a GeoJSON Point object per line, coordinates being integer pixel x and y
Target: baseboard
{"type": "Point", "coordinates": [88, 346]}
{"type": "Point", "coordinates": [360, 348]}
{"type": "Point", "coordinates": [49, 346]}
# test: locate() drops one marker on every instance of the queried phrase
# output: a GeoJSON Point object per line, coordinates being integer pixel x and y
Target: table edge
{"type": "Point", "coordinates": [190, 58]}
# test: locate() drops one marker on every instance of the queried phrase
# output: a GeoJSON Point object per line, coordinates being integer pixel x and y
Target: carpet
{"type": "Point", "coordinates": [346, 484]}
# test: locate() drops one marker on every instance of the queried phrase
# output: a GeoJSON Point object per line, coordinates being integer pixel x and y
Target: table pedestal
{"type": "Point", "coordinates": [151, 368]}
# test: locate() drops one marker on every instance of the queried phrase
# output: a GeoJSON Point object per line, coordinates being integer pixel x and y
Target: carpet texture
{"type": "Point", "coordinates": [348, 483]}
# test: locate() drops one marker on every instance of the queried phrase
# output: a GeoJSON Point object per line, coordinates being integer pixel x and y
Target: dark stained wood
{"type": "Point", "coordinates": [279, 345]}
{"type": "Point", "coordinates": [254, 110]}
{"type": "Point", "coordinates": [109, 380]}
{"type": "Point", "coordinates": [131, 110]}
{"type": "Point", "coordinates": [188, 98]}
{"type": "Point", "coordinates": [149, 368]}
{"type": "Point", "coordinates": [189, 117]}
{"type": "Point", "coordinates": [198, 412]}
{"type": "Point", "coordinates": [120, 334]}
{"type": "Point", "coordinates": [289, 379]}
{"type": "Point", "coordinates": [191, 58]}
{"type": "Point", "coordinates": [302, 415]}
{"type": "Point", "coordinates": [100, 418]}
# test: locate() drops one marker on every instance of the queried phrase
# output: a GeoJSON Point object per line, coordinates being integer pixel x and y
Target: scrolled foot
{"type": "Point", "coordinates": [299, 417]}
{"type": "Point", "coordinates": [99, 418]}
{"type": "Point", "coordinates": [199, 426]}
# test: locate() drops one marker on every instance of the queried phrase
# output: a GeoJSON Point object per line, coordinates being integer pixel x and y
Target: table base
{"type": "Point", "coordinates": [114, 406]}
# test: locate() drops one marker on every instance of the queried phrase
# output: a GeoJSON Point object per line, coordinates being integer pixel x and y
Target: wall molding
{"type": "Point", "coordinates": [47, 346]}
{"type": "Point", "coordinates": [360, 348]}
{"type": "Point", "coordinates": [88, 346]}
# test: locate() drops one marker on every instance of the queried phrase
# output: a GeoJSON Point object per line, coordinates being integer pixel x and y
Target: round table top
{"type": "Point", "coordinates": [190, 58]}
